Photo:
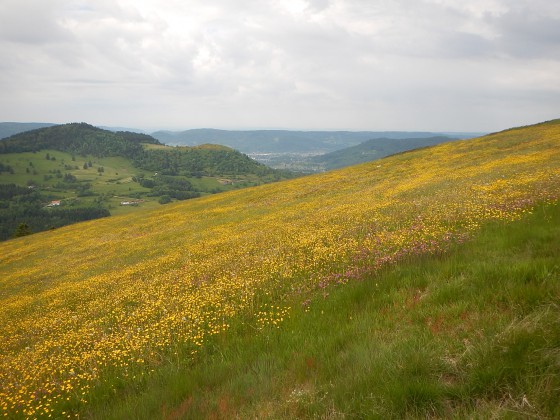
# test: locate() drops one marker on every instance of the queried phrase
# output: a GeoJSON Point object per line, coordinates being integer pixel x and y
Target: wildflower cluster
{"type": "Point", "coordinates": [271, 315]}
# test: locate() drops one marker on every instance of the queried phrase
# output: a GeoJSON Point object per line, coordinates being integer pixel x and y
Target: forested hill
{"type": "Point", "coordinates": [374, 149]}
{"type": "Point", "coordinates": [203, 160]}
{"type": "Point", "coordinates": [78, 138]}
{"type": "Point", "coordinates": [143, 150]}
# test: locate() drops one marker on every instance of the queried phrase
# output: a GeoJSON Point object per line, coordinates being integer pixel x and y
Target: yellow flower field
{"type": "Point", "coordinates": [92, 304]}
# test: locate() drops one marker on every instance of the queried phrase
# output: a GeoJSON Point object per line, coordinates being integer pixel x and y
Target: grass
{"type": "Point", "coordinates": [473, 333]}
{"type": "Point", "coordinates": [115, 183]}
{"type": "Point", "coordinates": [233, 305]}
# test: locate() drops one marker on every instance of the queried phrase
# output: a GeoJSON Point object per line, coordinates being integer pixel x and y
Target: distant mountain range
{"type": "Point", "coordinates": [287, 141]}
{"type": "Point", "coordinates": [262, 141]}
{"type": "Point", "coordinates": [300, 151]}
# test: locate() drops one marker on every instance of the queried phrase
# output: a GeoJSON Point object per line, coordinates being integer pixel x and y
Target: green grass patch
{"type": "Point", "coordinates": [474, 333]}
{"type": "Point", "coordinates": [35, 168]}
{"type": "Point", "coordinates": [106, 182]}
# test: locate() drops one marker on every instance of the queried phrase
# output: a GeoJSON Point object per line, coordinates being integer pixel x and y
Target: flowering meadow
{"type": "Point", "coordinates": [91, 306]}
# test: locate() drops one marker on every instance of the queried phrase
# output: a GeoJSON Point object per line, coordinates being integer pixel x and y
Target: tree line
{"type": "Point", "coordinates": [23, 211]}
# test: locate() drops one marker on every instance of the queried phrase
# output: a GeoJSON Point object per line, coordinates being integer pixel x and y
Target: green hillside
{"type": "Point", "coordinates": [420, 285]}
{"type": "Point", "coordinates": [373, 149]}
{"type": "Point", "coordinates": [89, 173]}
{"type": "Point", "coordinates": [470, 334]}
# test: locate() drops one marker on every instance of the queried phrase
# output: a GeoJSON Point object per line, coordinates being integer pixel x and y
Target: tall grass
{"type": "Point", "coordinates": [473, 333]}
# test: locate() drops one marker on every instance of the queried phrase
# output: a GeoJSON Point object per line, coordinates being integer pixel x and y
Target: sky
{"type": "Point", "coordinates": [426, 65]}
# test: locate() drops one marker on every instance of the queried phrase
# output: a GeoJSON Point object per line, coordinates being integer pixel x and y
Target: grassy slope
{"type": "Point", "coordinates": [474, 333]}
{"type": "Point", "coordinates": [374, 149]}
{"type": "Point", "coordinates": [115, 181]}
{"type": "Point", "coordinates": [93, 310]}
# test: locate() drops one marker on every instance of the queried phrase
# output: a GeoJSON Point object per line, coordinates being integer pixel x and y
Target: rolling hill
{"type": "Point", "coordinates": [373, 149]}
{"type": "Point", "coordinates": [420, 285]}
{"type": "Point", "coordinates": [77, 138]}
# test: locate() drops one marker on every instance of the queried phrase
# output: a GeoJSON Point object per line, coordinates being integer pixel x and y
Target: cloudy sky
{"type": "Point", "coordinates": [441, 65]}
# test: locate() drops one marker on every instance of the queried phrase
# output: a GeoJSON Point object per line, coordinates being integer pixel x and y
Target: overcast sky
{"type": "Point", "coordinates": [440, 65]}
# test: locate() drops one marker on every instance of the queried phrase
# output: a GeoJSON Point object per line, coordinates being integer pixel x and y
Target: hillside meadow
{"type": "Point", "coordinates": [93, 311]}
{"type": "Point", "coordinates": [114, 183]}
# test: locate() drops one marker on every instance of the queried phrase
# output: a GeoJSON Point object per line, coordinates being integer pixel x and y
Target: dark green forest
{"type": "Point", "coordinates": [208, 160]}
{"type": "Point", "coordinates": [78, 138]}
{"type": "Point", "coordinates": [22, 212]}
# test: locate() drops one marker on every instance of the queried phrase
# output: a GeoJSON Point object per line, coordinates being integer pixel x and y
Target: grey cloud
{"type": "Point", "coordinates": [31, 22]}
{"type": "Point", "coordinates": [528, 34]}
{"type": "Point", "coordinates": [318, 5]}
{"type": "Point", "coordinates": [351, 63]}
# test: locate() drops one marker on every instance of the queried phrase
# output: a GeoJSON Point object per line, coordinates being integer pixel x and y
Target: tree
{"type": "Point", "coordinates": [70, 178]}
{"type": "Point", "coordinates": [164, 199]}
{"type": "Point", "coordinates": [23, 229]}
